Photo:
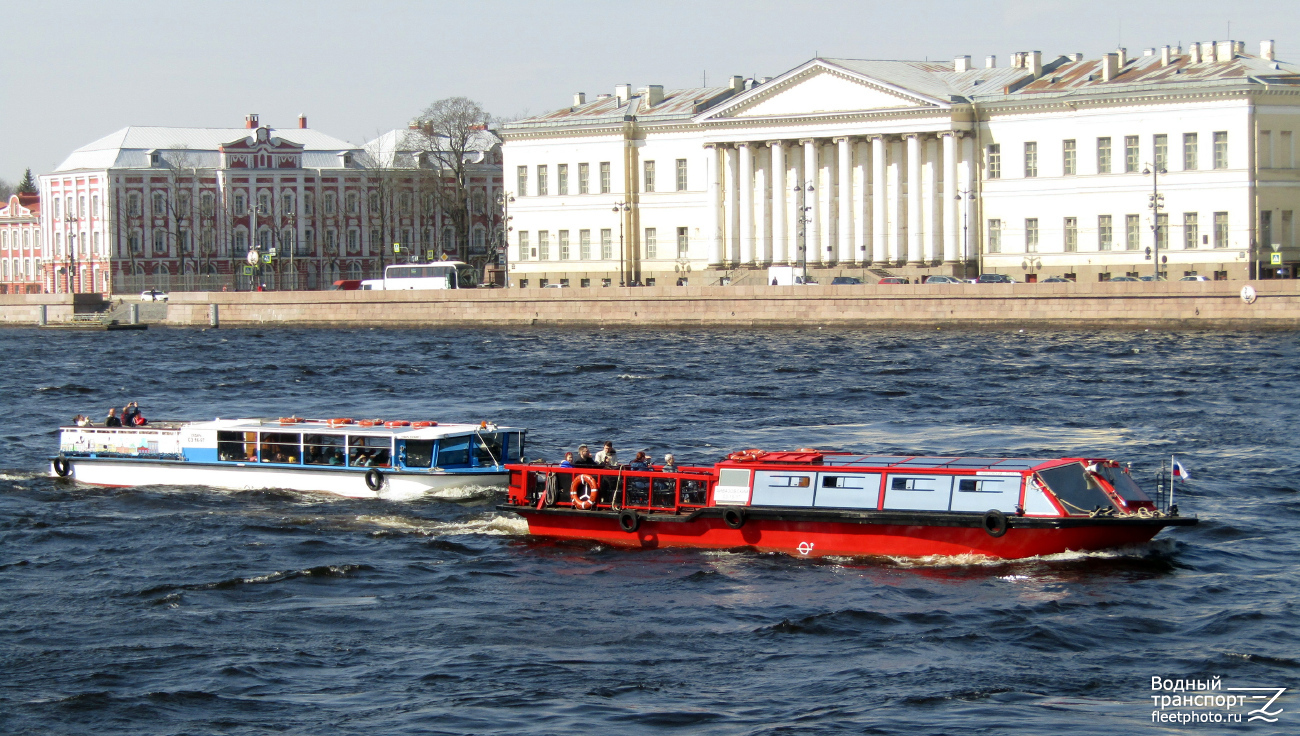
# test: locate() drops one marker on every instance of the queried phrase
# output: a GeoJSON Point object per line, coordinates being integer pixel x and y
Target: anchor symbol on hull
{"type": "Point", "coordinates": [805, 548]}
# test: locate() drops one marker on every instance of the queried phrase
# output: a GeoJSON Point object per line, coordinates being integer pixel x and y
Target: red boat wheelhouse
{"type": "Point", "coordinates": [815, 503]}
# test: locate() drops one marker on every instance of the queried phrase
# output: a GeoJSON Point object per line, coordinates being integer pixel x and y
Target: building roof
{"type": "Point", "coordinates": [21, 205]}
{"type": "Point", "coordinates": [400, 148]}
{"type": "Point", "coordinates": [129, 147]}
{"type": "Point", "coordinates": [676, 104]}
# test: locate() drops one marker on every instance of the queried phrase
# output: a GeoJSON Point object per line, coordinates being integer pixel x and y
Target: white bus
{"type": "Point", "coordinates": [408, 276]}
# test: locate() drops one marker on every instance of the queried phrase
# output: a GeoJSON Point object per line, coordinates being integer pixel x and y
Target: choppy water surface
{"type": "Point", "coordinates": [189, 610]}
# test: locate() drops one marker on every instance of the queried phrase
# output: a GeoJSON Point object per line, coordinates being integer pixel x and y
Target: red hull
{"type": "Point", "coordinates": [821, 538]}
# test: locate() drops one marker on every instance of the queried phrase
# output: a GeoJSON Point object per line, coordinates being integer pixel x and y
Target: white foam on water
{"type": "Point", "coordinates": [462, 493]}
{"type": "Point", "coordinates": [19, 475]}
{"type": "Point", "coordinates": [631, 377]}
{"type": "Point", "coordinates": [496, 525]}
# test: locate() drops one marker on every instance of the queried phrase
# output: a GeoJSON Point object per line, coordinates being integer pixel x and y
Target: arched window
{"type": "Point", "coordinates": [354, 272]}
{"type": "Point", "coordinates": [286, 203]}
{"type": "Point", "coordinates": [478, 240]}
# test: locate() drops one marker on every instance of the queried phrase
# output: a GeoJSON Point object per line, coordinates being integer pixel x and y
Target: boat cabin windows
{"type": "Point", "coordinates": [280, 447]}
{"type": "Point", "coordinates": [417, 453]}
{"type": "Point", "coordinates": [782, 488]}
{"type": "Point", "coordinates": [1076, 489]}
{"type": "Point", "coordinates": [732, 488]}
{"type": "Point", "coordinates": [488, 448]}
{"type": "Point", "coordinates": [453, 451]}
{"type": "Point", "coordinates": [918, 492]}
{"type": "Point", "coordinates": [857, 491]}
{"type": "Point", "coordinates": [694, 492]}
{"type": "Point", "coordinates": [981, 493]}
{"type": "Point", "coordinates": [323, 449]}
{"type": "Point", "coordinates": [237, 447]}
{"type": "Point", "coordinates": [369, 452]}
{"type": "Point", "coordinates": [1123, 484]}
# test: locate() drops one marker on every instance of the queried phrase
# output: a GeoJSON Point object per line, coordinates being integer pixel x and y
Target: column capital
{"type": "Point", "coordinates": [876, 137]}
{"type": "Point", "coordinates": [952, 134]}
{"type": "Point", "coordinates": [911, 136]}
{"type": "Point", "coordinates": [712, 144]}
{"type": "Point", "coordinates": [777, 143]}
{"type": "Point", "coordinates": [841, 139]}
{"type": "Point", "coordinates": [807, 141]}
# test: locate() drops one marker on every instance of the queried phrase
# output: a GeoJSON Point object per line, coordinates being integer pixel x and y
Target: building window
{"type": "Point", "coordinates": [1031, 235]}
{"type": "Point", "coordinates": [1162, 230]}
{"type": "Point", "coordinates": [1031, 159]}
{"type": "Point", "coordinates": [995, 160]}
{"type": "Point", "coordinates": [606, 244]}
{"type": "Point", "coordinates": [353, 203]}
{"type": "Point", "coordinates": [651, 245]}
{"type": "Point", "coordinates": [584, 245]}
{"type": "Point", "coordinates": [523, 245]}
{"type": "Point", "coordinates": [94, 206]}
{"type": "Point", "coordinates": [331, 203]}
{"type": "Point", "coordinates": [995, 236]}
{"type": "Point", "coordinates": [159, 204]}
{"type": "Point", "coordinates": [159, 242]}
{"type": "Point", "coordinates": [683, 242]}
{"type": "Point", "coordinates": [374, 203]}
{"type": "Point", "coordinates": [541, 181]}
{"type": "Point", "coordinates": [478, 240]}
{"type": "Point", "coordinates": [1220, 229]}
{"type": "Point", "coordinates": [263, 204]}
{"type": "Point", "coordinates": [562, 179]}
{"type": "Point", "coordinates": [584, 173]}
{"type": "Point", "coordinates": [1221, 150]}
{"type": "Point", "coordinates": [308, 203]}
{"type": "Point", "coordinates": [1288, 234]}
{"type": "Point", "coordinates": [521, 180]}
{"type": "Point", "coordinates": [1105, 232]}
{"type": "Point", "coordinates": [404, 203]}
{"type": "Point", "coordinates": [564, 245]}
{"type": "Point", "coordinates": [1189, 152]}
{"type": "Point", "coordinates": [681, 175]}
{"type": "Point", "coordinates": [1071, 234]}
{"type": "Point", "coordinates": [604, 177]}
{"type": "Point", "coordinates": [1130, 154]}
{"type": "Point", "coordinates": [1067, 158]}
{"type": "Point", "coordinates": [1160, 145]}
{"type": "Point", "coordinates": [1132, 232]}
{"type": "Point", "coordinates": [286, 203]}
{"type": "Point", "coordinates": [354, 241]}
{"type": "Point", "coordinates": [649, 176]}
{"type": "Point", "coordinates": [544, 245]}
{"type": "Point", "coordinates": [132, 205]}
{"type": "Point", "coordinates": [1191, 233]}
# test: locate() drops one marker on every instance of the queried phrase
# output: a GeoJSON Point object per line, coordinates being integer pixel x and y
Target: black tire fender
{"type": "Point", "coordinates": [374, 479]}
{"type": "Point", "coordinates": [733, 517]}
{"type": "Point", "coordinates": [62, 467]}
{"type": "Point", "coordinates": [628, 520]}
{"type": "Point", "coordinates": [995, 523]}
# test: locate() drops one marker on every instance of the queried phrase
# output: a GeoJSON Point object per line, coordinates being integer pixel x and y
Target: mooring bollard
{"type": "Point", "coordinates": [133, 314]}
{"type": "Point", "coordinates": [212, 316]}
{"type": "Point", "coordinates": [42, 318]}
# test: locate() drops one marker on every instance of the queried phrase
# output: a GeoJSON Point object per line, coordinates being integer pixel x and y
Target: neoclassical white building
{"type": "Point", "coordinates": [861, 167]}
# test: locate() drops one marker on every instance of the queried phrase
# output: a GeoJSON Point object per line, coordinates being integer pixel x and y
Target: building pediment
{"type": "Point", "coordinates": [818, 88]}
{"type": "Point", "coordinates": [262, 151]}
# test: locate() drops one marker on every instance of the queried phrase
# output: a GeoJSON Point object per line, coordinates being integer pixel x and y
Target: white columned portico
{"type": "Point", "coordinates": [951, 199]}
{"type": "Point", "coordinates": [745, 186]}
{"type": "Point", "coordinates": [813, 244]}
{"type": "Point", "coordinates": [879, 205]}
{"type": "Point", "coordinates": [914, 191]}
{"type": "Point", "coordinates": [762, 214]}
{"type": "Point", "coordinates": [733, 199]}
{"type": "Point", "coordinates": [714, 222]}
{"type": "Point", "coordinates": [930, 177]}
{"type": "Point", "coordinates": [861, 202]}
{"type": "Point", "coordinates": [971, 214]}
{"type": "Point", "coordinates": [898, 235]}
{"type": "Point", "coordinates": [779, 241]}
{"type": "Point", "coordinates": [844, 235]}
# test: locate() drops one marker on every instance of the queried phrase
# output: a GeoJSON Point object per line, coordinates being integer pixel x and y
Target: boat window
{"type": "Point", "coordinates": [845, 481]}
{"type": "Point", "coordinates": [1123, 483]}
{"type": "Point", "coordinates": [369, 452]}
{"type": "Point", "coordinates": [663, 492]}
{"type": "Point", "coordinates": [637, 492]}
{"type": "Point", "coordinates": [1076, 489]}
{"type": "Point", "coordinates": [789, 481]}
{"type": "Point", "coordinates": [322, 449]}
{"type": "Point", "coordinates": [453, 451]}
{"type": "Point", "coordinates": [488, 448]}
{"type": "Point", "coordinates": [237, 446]}
{"type": "Point", "coordinates": [419, 453]}
{"type": "Point", "coordinates": [512, 447]}
{"type": "Point", "coordinates": [281, 447]}
{"type": "Point", "coordinates": [694, 492]}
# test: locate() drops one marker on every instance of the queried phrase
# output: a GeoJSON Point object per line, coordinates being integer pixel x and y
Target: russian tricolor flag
{"type": "Point", "coordinates": [1179, 471]}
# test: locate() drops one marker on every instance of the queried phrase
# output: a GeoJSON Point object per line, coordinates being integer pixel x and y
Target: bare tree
{"type": "Point", "coordinates": [6, 190]}
{"type": "Point", "coordinates": [448, 134]}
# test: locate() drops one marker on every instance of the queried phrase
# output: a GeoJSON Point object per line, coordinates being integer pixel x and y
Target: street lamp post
{"type": "Point", "coordinates": [803, 208]}
{"type": "Point", "coordinates": [68, 220]}
{"type": "Point", "coordinates": [502, 213]}
{"type": "Point", "coordinates": [1156, 201]}
{"type": "Point", "coordinates": [621, 207]}
{"type": "Point", "coordinates": [965, 196]}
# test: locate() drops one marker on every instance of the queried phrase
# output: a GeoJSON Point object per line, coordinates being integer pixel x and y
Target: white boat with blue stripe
{"type": "Point", "coordinates": [359, 459]}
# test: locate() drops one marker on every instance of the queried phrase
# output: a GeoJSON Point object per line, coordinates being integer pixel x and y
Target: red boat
{"type": "Point", "coordinates": [812, 503]}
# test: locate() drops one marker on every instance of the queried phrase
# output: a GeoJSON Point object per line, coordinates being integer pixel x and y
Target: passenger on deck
{"type": "Point", "coordinates": [131, 416]}
{"type": "Point", "coordinates": [81, 420]}
{"type": "Point", "coordinates": [607, 457]}
{"type": "Point", "coordinates": [670, 463]}
{"type": "Point", "coordinates": [568, 460]}
{"type": "Point", "coordinates": [640, 462]}
{"type": "Point", "coordinates": [336, 457]}
{"type": "Point", "coordinates": [112, 420]}
{"type": "Point", "coordinates": [585, 460]}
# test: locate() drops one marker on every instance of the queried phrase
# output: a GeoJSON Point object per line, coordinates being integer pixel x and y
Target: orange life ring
{"type": "Point", "coordinates": [807, 449]}
{"type": "Point", "coordinates": [587, 499]}
{"type": "Point", "coordinates": [397, 423]}
{"type": "Point", "coordinates": [422, 425]}
{"type": "Point", "coordinates": [371, 422]}
{"type": "Point", "coordinates": [339, 421]}
{"type": "Point", "coordinates": [746, 455]}
{"type": "Point", "coordinates": [291, 420]}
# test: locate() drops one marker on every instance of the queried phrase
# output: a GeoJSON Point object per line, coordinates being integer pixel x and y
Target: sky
{"type": "Point", "coordinates": [74, 71]}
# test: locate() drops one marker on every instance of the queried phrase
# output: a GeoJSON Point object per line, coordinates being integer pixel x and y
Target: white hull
{"type": "Point", "coordinates": [349, 483]}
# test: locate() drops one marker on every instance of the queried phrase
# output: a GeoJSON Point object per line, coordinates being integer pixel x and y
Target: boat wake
{"type": "Point", "coordinates": [1155, 548]}
{"type": "Point", "coordinates": [493, 526]}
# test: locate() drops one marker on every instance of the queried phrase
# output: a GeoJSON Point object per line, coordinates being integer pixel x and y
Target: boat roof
{"type": "Point", "coordinates": [322, 426]}
{"type": "Point", "coordinates": [902, 462]}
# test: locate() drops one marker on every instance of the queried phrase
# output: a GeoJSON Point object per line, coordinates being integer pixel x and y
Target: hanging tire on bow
{"type": "Point", "coordinates": [62, 467]}
{"type": "Point", "coordinates": [628, 520]}
{"type": "Point", "coordinates": [374, 479]}
{"type": "Point", "coordinates": [995, 523]}
{"type": "Point", "coordinates": [734, 518]}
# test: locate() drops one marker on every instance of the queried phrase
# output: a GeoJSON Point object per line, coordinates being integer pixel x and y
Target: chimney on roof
{"type": "Point", "coordinates": [1109, 67]}
{"type": "Point", "coordinates": [623, 93]}
{"type": "Point", "coordinates": [1122, 55]}
{"type": "Point", "coordinates": [1238, 47]}
{"type": "Point", "coordinates": [579, 98]}
{"type": "Point", "coordinates": [737, 84]}
{"type": "Point", "coordinates": [1149, 52]}
{"type": "Point", "coordinates": [1267, 50]}
{"type": "Point", "coordinates": [1035, 64]}
{"type": "Point", "coordinates": [1224, 52]}
{"type": "Point", "coordinates": [1166, 56]}
{"type": "Point", "coordinates": [990, 62]}
{"type": "Point", "coordinates": [654, 94]}
{"type": "Point", "coordinates": [1194, 53]}
{"type": "Point", "coordinates": [250, 120]}
{"type": "Point", "coordinates": [961, 64]}
{"type": "Point", "coordinates": [1076, 56]}
{"type": "Point", "coordinates": [302, 121]}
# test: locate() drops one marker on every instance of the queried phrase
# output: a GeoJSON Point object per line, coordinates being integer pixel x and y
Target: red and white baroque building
{"type": "Point", "coordinates": [181, 208]}
{"type": "Point", "coordinates": [20, 245]}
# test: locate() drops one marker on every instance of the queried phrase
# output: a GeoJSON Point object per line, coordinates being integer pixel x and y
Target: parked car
{"type": "Point", "coordinates": [893, 280]}
{"type": "Point", "coordinates": [1055, 280]}
{"type": "Point", "coordinates": [1153, 278]}
{"type": "Point", "coordinates": [556, 286]}
{"type": "Point", "coordinates": [943, 280]}
{"type": "Point", "coordinates": [842, 280]}
{"type": "Point", "coordinates": [995, 278]}
{"type": "Point", "coordinates": [1123, 278]}
{"type": "Point", "coordinates": [1195, 278]}
{"type": "Point", "coordinates": [347, 285]}
{"type": "Point", "coordinates": [153, 295]}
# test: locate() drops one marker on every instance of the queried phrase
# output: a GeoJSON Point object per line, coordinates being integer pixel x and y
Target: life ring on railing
{"type": "Point", "coordinates": [628, 520]}
{"type": "Point", "coordinates": [62, 467]}
{"type": "Point", "coordinates": [586, 499]}
{"type": "Point", "coordinates": [374, 479]}
{"type": "Point", "coordinates": [397, 423]}
{"type": "Point", "coordinates": [422, 425]}
{"type": "Point", "coordinates": [733, 517]}
{"type": "Point", "coordinates": [995, 523]}
{"type": "Point", "coordinates": [339, 422]}
{"type": "Point", "coordinates": [291, 420]}
{"type": "Point", "coordinates": [807, 449]}
{"type": "Point", "coordinates": [742, 456]}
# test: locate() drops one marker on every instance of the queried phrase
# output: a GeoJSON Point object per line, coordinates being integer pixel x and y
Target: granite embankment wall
{"type": "Point", "coordinates": [1179, 305]}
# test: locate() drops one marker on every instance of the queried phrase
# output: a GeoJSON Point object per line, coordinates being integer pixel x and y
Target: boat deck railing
{"type": "Point", "coordinates": [619, 488]}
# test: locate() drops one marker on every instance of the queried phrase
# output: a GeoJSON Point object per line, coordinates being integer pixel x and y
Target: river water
{"type": "Point", "coordinates": [194, 611]}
